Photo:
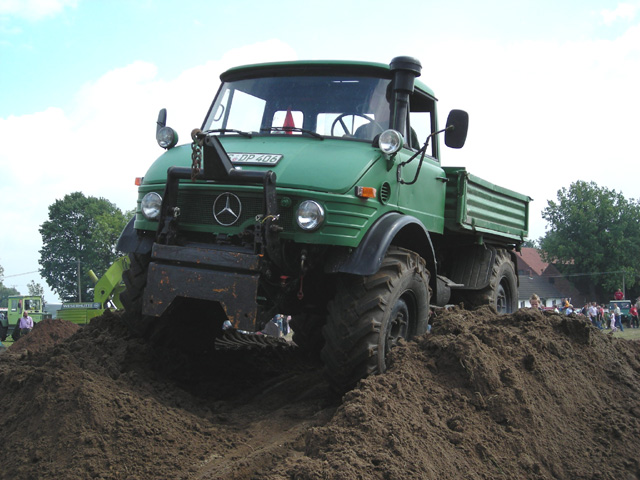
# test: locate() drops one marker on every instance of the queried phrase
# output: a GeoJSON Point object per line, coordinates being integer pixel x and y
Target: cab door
{"type": "Point", "coordinates": [422, 181]}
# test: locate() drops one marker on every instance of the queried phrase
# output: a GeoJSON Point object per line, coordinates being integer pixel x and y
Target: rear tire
{"type": "Point", "coordinates": [369, 315]}
{"type": "Point", "coordinates": [502, 291]}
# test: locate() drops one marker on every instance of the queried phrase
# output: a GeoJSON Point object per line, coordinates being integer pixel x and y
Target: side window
{"type": "Point", "coordinates": [423, 122]}
{"type": "Point", "coordinates": [421, 128]}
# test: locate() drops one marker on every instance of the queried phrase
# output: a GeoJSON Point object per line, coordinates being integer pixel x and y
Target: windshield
{"type": "Point", "coordinates": [349, 106]}
{"type": "Point", "coordinates": [31, 304]}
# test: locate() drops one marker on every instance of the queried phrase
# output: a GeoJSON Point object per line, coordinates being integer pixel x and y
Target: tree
{"type": "Point", "coordinates": [79, 236]}
{"type": "Point", "coordinates": [35, 289]}
{"type": "Point", "coordinates": [594, 234]}
{"type": "Point", "coordinates": [5, 292]}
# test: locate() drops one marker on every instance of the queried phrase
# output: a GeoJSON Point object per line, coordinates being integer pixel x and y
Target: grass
{"type": "Point", "coordinates": [628, 334]}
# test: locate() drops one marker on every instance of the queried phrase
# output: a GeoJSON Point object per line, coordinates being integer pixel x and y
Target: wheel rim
{"type": "Point", "coordinates": [400, 321]}
{"type": "Point", "coordinates": [502, 299]}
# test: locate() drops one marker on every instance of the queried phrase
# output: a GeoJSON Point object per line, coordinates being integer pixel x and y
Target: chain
{"type": "Point", "coordinates": [196, 153]}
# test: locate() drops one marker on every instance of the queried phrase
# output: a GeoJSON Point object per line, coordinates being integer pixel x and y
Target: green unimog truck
{"type": "Point", "coordinates": [315, 189]}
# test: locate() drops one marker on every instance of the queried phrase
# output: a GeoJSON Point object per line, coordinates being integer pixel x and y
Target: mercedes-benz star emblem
{"type": "Point", "coordinates": [227, 209]}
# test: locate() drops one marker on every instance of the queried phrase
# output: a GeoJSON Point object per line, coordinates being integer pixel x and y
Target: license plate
{"type": "Point", "coordinates": [266, 159]}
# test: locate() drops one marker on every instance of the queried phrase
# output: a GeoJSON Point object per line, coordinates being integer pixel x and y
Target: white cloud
{"type": "Point", "coordinates": [34, 9]}
{"type": "Point", "coordinates": [624, 11]}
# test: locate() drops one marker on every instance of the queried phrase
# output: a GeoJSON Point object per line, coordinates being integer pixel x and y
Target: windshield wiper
{"type": "Point", "coordinates": [292, 129]}
{"type": "Point", "coordinates": [228, 130]}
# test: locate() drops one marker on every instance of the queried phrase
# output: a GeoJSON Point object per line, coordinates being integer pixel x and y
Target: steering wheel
{"type": "Point", "coordinates": [346, 129]}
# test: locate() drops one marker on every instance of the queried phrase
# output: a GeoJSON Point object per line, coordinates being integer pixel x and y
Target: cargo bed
{"type": "Point", "coordinates": [475, 206]}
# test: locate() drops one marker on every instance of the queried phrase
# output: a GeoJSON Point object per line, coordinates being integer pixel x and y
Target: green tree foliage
{"type": "Point", "coordinates": [35, 289]}
{"type": "Point", "coordinates": [594, 230]}
{"type": "Point", "coordinates": [5, 292]}
{"type": "Point", "coordinates": [81, 233]}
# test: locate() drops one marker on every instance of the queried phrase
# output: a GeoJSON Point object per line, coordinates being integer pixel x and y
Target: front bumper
{"type": "Point", "coordinates": [229, 277]}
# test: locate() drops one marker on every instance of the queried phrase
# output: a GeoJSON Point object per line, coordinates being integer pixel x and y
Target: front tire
{"type": "Point", "coordinates": [369, 315]}
{"type": "Point", "coordinates": [135, 281]}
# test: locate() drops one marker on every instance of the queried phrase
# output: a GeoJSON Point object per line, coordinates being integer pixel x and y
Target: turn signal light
{"type": "Point", "coordinates": [138, 181]}
{"type": "Point", "coordinates": [366, 192]}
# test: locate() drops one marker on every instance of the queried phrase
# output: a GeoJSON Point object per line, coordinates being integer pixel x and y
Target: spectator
{"type": "Point", "coordinates": [618, 295]}
{"type": "Point", "coordinates": [601, 318]}
{"type": "Point", "coordinates": [618, 314]}
{"type": "Point", "coordinates": [26, 323]}
{"type": "Point", "coordinates": [535, 302]}
{"type": "Point", "coordinates": [633, 312]}
{"type": "Point", "coordinates": [592, 311]}
{"type": "Point", "coordinates": [613, 321]}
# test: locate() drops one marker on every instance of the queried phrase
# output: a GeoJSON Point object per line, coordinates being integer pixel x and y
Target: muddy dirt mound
{"type": "Point", "coordinates": [527, 395]}
{"type": "Point", "coordinates": [486, 396]}
{"type": "Point", "coordinates": [45, 334]}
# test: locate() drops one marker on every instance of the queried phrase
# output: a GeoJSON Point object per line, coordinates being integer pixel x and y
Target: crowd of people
{"type": "Point", "coordinates": [600, 315]}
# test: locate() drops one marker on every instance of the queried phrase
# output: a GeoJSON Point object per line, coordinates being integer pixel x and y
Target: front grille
{"type": "Point", "coordinates": [196, 208]}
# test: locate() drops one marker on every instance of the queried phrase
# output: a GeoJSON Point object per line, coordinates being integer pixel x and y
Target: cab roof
{"type": "Point", "coordinates": [314, 67]}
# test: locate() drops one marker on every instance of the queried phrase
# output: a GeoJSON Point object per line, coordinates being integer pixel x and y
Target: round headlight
{"type": "Point", "coordinates": [167, 137]}
{"type": "Point", "coordinates": [151, 205]}
{"type": "Point", "coordinates": [310, 215]}
{"type": "Point", "coordinates": [390, 142]}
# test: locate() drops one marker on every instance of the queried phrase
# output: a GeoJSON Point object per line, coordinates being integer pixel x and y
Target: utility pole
{"type": "Point", "coordinates": [79, 286]}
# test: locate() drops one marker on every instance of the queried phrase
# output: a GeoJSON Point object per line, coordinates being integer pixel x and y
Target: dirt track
{"type": "Point", "coordinates": [483, 396]}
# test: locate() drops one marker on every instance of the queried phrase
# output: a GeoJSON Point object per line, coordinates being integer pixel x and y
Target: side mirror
{"type": "Point", "coordinates": [162, 120]}
{"type": "Point", "coordinates": [456, 130]}
{"type": "Point", "coordinates": [166, 137]}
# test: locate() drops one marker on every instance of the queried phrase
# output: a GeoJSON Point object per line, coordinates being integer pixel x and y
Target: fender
{"type": "Point", "coordinates": [402, 230]}
{"type": "Point", "coordinates": [131, 242]}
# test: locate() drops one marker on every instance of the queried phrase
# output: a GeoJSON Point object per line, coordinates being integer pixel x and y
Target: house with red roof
{"type": "Point", "coordinates": [543, 279]}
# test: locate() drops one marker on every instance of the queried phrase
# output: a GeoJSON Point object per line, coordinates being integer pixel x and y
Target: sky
{"type": "Point", "coordinates": [551, 89]}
